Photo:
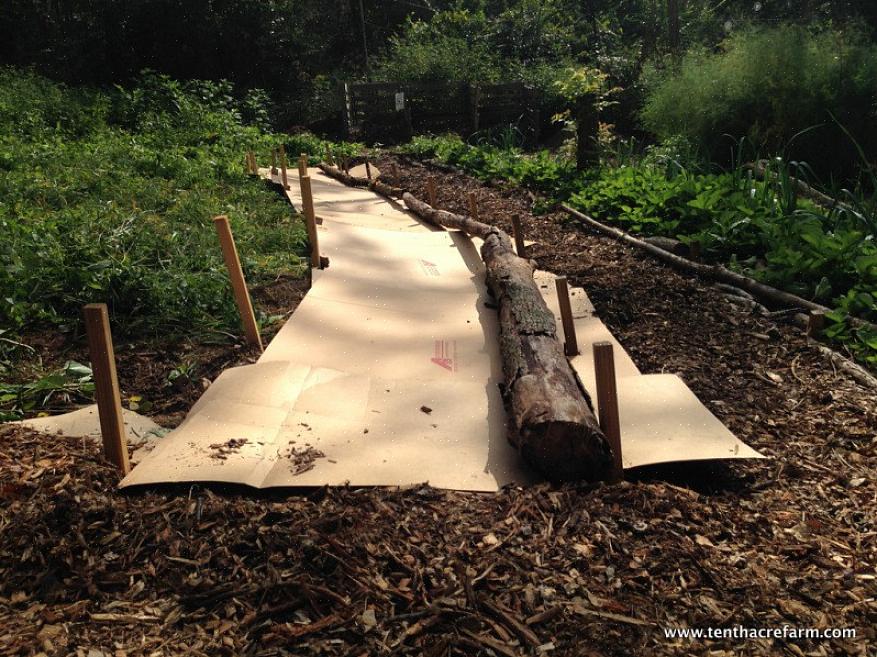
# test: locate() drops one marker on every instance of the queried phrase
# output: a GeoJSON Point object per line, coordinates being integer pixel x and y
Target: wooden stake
{"type": "Point", "coordinates": [307, 202]}
{"type": "Point", "coordinates": [106, 385]}
{"type": "Point", "coordinates": [430, 189]}
{"type": "Point", "coordinates": [473, 206]}
{"type": "Point", "coordinates": [607, 402]}
{"type": "Point", "coordinates": [815, 323]}
{"type": "Point", "coordinates": [394, 171]}
{"type": "Point", "coordinates": [329, 159]}
{"type": "Point", "coordinates": [368, 169]}
{"type": "Point", "coordinates": [283, 168]}
{"type": "Point", "coordinates": [238, 284]}
{"type": "Point", "coordinates": [519, 236]}
{"type": "Point", "coordinates": [274, 162]}
{"type": "Point", "coordinates": [303, 164]}
{"type": "Point", "coordinates": [570, 345]}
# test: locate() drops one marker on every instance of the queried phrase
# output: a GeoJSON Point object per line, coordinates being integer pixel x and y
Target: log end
{"type": "Point", "coordinates": [566, 451]}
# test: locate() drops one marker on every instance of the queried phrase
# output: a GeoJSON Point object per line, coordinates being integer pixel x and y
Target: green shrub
{"type": "Point", "coordinates": [784, 88]}
{"type": "Point", "coordinates": [109, 198]}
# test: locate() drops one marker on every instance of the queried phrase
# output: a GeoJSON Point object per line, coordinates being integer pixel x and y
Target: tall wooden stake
{"type": "Point", "coordinates": [473, 206]}
{"type": "Point", "coordinates": [238, 284]}
{"type": "Point", "coordinates": [106, 385]}
{"type": "Point", "coordinates": [607, 402]}
{"type": "Point", "coordinates": [570, 344]}
{"type": "Point", "coordinates": [519, 236]}
{"type": "Point", "coordinates": [430, 189]}
{"type": "Point", "coordinates": [283, 168]}
{"type": "Point", "coordinates": [273, 161]}
{"type": "Point", "coordinates": [307, 202]}
{"type": "Point", "coordinates": [815, 323]}
{"type": "Point", "coordinates": [303, 164]}
{"type": "Point", "coordinates": [368, 169]}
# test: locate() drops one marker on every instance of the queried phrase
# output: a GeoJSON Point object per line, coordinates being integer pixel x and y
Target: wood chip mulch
{"type": "Point", "coordinates": [572, 571]}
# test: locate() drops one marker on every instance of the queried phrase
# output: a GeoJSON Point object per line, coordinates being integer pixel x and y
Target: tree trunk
{"type": "Point", "coordinates": [554, 427]}
{"type": "Point", "coordinates": [587, 130]}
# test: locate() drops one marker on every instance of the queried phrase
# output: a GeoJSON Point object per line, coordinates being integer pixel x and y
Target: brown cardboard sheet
{"type": "Point", "coordinates": [388, 373]}
{"type": "Point", "coordinates": [85, 422]}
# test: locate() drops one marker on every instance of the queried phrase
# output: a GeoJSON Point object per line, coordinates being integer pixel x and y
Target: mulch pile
{"type": "Point", "coordinates": [574, 570]}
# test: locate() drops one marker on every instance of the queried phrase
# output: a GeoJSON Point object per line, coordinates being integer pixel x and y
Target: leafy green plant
{"type": "Point", "coordinates": [73, 381]}
{"type": "Point", "coordinates": [108, 197]}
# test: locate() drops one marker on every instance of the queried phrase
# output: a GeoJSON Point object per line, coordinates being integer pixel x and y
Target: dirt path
{"type": "Point", "coordinates": [595, 570]}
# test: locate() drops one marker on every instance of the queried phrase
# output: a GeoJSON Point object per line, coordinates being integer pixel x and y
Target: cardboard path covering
{"type": "Point", "coordinates": [388, 373]}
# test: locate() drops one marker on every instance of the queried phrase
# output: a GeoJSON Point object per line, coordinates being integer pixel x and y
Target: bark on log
{"type": "Point", "coordinates": [353, 181]}
{"type": "Point", "coordinates": [554, 428]}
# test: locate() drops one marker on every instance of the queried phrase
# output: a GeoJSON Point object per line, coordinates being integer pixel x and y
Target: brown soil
{"type": "Point", "coordinates": [594, 571]}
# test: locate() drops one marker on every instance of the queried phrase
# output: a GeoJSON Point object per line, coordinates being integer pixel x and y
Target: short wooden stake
{"type": "Point", "coordinates": [303, 165]}
{"type": "Point", "coordinates": [329, 159]}
{"type": "Point", "coordinates": [106, 385]}
{"type": "Point", "coordinates": [570, 345]}
{"type": "Point", "coordinates": [607, 403]}
{"type": "Point", "coordinates": [473, 206]}
{"type": "Point", "coordinates": [346, 164]}
{"type": "Point", "coordinates": [519, 236]}
{"type": "Point", "coordinates": [307, 202]}
{"type": "Point", "coordinates": [274, 162]}
{"type": "Point", "coordinates": [430, 190]}
{"type": "Point", "coordinates": [283, 178]}
{"type": "Point", "coordinates": [368, 169]}
{"type": "Point", "coordinates": [238, 284]}
{"type": "Point", "coordinates": [815, 323]}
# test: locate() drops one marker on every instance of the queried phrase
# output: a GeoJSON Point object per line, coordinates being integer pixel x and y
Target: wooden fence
{"type": "Point", "coordinates": [390, 112]}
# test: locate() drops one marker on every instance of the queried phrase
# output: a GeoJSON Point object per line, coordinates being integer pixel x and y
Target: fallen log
{"type": "Point", "coordinates": [553, 424]}
{"type": "Point", "coordinates": [354, 181]}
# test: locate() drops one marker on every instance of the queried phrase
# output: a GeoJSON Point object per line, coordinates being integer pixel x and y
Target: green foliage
{"type": "Point", "coordinates": [317, 148]}
{"type": "Point", "coordinates": [72, 381]}
{"type": "Point", "coordinates": [97, 211]}
{"type": "Point", "coordinates": [553, 176]}
{"type": "Point", "coordinates": [785, 89]}
{"type": "Point", "coordinates": [451, 47]}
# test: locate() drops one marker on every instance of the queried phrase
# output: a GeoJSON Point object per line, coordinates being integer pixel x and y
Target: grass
{"type": "Point", "coordinates": [108, 196]}
{"type": "Point", "coordinates": [760, 228]}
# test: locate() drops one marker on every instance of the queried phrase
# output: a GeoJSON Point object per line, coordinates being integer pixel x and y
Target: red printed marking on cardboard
{"type": "Point", "coordinates": [446, 354]}
{"type": "Point", "coordinates": [429, 268]}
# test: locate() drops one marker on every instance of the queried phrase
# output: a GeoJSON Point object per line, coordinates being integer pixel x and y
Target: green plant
{"type": "Point", "coordinates": [73, 381]}
{"type": "Point", "coordinates": [787, 89]}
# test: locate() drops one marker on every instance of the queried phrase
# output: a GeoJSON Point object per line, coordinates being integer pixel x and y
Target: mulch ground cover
{"type": "Point", "coordinates": [574, 570]}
